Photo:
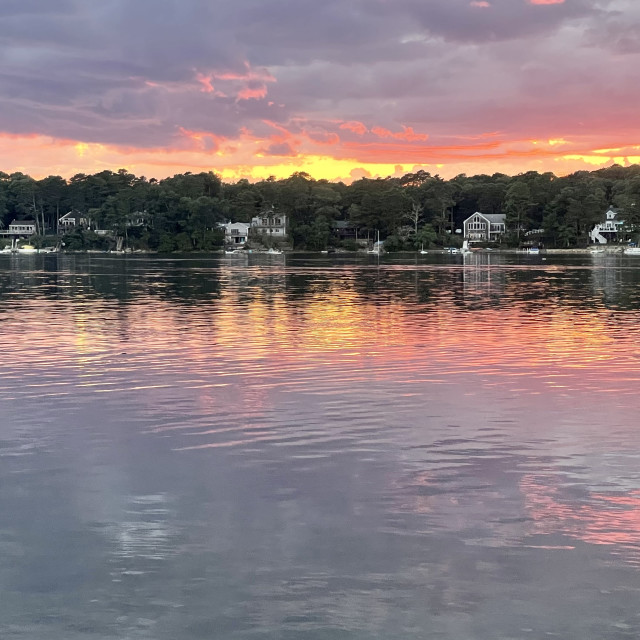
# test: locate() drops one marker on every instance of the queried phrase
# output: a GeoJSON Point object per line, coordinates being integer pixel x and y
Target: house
{"type": "Point", "coordinates": [607, 231]}
{"type": "Point", "coordinates": [344, 230]}
{"type": "Point", "coordinates": [71, 220]}
{"type": "Point", "coordinates": [269, 223]}
{"type": "Point", "coordinates": [22, 227]}
{"type": "Point", "coordinates": [484, 227]}
{"type": "Point", "coordinates": [138, 219]}
{"type": "Point", "coordinates": [235, 232]}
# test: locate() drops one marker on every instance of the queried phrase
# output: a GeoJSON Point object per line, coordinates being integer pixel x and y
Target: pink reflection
{"type": "Point", "coordinates": [605, 519]}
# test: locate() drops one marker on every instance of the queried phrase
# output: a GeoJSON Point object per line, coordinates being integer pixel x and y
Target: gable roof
{"type": "Point", "coordinates": [495, 218]}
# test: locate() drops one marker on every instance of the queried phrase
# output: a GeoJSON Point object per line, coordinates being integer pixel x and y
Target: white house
{"type": "Point", "coordinates": [487, 227]}
{"type": "Point", "coordinates": [72, 219]}
{"type": "Point", "coordinates": [235, 232]}
{"type": "Point", "coordinates": [608, 230]}
{"type": "Point", "coordinates": [270, 223]}
{"type": "Point", "coordinates": [22, 227]}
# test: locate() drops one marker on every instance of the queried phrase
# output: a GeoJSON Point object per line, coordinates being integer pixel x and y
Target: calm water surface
{"type": "Point", "coordinates": [280, 447]}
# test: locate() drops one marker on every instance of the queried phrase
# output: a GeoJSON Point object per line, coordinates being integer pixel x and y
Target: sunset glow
{"type": "Point", "coordinates": [449, 87]}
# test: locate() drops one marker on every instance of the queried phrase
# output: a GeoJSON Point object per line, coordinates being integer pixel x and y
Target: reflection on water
{"type": "Point", "coordinates": [289, 446]}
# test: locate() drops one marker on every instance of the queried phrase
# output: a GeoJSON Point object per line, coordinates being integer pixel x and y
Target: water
{"type": "Point", "coordinates": [280, 447]}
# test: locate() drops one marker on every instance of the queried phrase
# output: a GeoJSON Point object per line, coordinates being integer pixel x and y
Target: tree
{"type": "Point", "coordinates": [415, 216]}
{"type": "Point", "coordinates": [517, 205]}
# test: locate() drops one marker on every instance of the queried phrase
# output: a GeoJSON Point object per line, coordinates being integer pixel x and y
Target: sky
{"type": "Point", "coordinates": [340, 89]}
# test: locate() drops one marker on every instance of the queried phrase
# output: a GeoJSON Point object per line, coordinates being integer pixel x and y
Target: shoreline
{"type": "Point", "coordinates": [569, 251]}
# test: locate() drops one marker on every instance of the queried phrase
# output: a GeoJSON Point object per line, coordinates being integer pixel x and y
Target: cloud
{"type": "Point", "coordinates": [353, 79]}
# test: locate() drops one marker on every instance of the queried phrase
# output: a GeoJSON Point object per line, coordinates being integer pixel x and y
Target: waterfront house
{"type": "Point", "coordinates": [236, 233]}
{"type": "Point", "coordinates": [608, 230]}
{"type": "Point", "coordinates": [22, 228]}
{"type": "Point", "coordinates": [344, 230]}
{"type": "Point", "coordinates": [71, 220]}
{"type": "Point", "coordinates": [138, 219]}
{"type": "Point", "coordinates": [269, 224]}
{"type": "Point", "coordinates": [484, 227]}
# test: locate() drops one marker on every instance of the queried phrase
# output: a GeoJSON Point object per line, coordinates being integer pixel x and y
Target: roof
{"type": "Point", "coordinates": [233, 224]}
{"type": "Point", "coordinates": [342, 224]}
{"type": "Point", "coordinates": [32, 222]}
{"type": "Point", "coordinates": [495, 218]}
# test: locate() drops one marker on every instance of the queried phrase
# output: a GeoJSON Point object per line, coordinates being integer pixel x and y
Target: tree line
{"type": "Point", "coordinates": [181, 213]}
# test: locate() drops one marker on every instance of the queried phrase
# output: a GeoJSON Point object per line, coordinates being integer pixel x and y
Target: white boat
{"type": "Point", "coordinates": [453, 250]}
{"type": "Point", "coordinates": [533, 250]}
{"type": "Point", "coordinates": [465, 247]}
{"type": "Point", "coordinates": [595, 250]}
{"type": "Point", "coordinates": [274, 252]}
{"type": "Point", "coordinates": [377, 246]}
{"type": "Point", "coordinates": [27, 248]}
{"type": "Point", "coordinates": [235, 252]}
{"type": "Point", "coordinates": [632, 251]}
{"type": "Point", "coordinates": [423, 251]}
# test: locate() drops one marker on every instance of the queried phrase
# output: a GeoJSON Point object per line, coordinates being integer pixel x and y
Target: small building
{"type": "Point", "coordinates": [270, 224]}
{"type": "Point", "coordinates": [71, 220]}
{"type": "Point", "coordinates": [344, 230]}
{"type": "Point", "coordinates": [235, 232]}
{"type": "Point", "coordinates": [22, 228]}
{"type": "Point", "coordinates": [484, 227]}
{"type": "Point", "coordinates": [138, 219]}
{"type": "Point", "coordinates": [609, 230]}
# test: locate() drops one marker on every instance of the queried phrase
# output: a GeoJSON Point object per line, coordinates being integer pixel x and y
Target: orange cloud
{"type": "Point", "coordinates": [320, 153]}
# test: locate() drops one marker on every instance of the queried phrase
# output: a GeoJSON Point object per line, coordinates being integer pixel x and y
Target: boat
{"type": "Point", "coordinates": [465, 247]}
{"type": "Point", "coordinates": [595, 250]}
{"type": "Point", "coordinates": [274, 252]}
{"type": "Point", "coordinates": [377, 246]}
{"type": "Point", "coordinates": [27, 248]}
{"type": "Point", "coordinates": [632, 251]}
{"type": "Point", "coordinates": [423, 251]}
{"type": "Point", "coordinates": [235, 252]}
{"type": "Point", "coordinates": [533, 251]}
{"type": "Point", "coordinates": [453, 250]}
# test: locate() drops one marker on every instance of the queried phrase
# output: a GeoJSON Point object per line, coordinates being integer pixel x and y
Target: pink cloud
{"type": "Point", "coordinates": [483, 4]}
{"type": "Point", "coordinates": [546, 1]}
{"type": "Point", "coordinates": [249, 93]}
{"type": "Point", "coordinates": [356, 127]}
{"type": "Point", "coordinates": [407, 134]}
{"type": "Point", "coordinates": [205, 81]}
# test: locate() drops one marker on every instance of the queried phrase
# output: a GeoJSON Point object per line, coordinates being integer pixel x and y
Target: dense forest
{"type": "Point", "coordinates": [182, 213]}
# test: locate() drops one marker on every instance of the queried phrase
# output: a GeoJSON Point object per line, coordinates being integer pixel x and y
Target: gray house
{"type": "Point", "coordinates": [484, 227]}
